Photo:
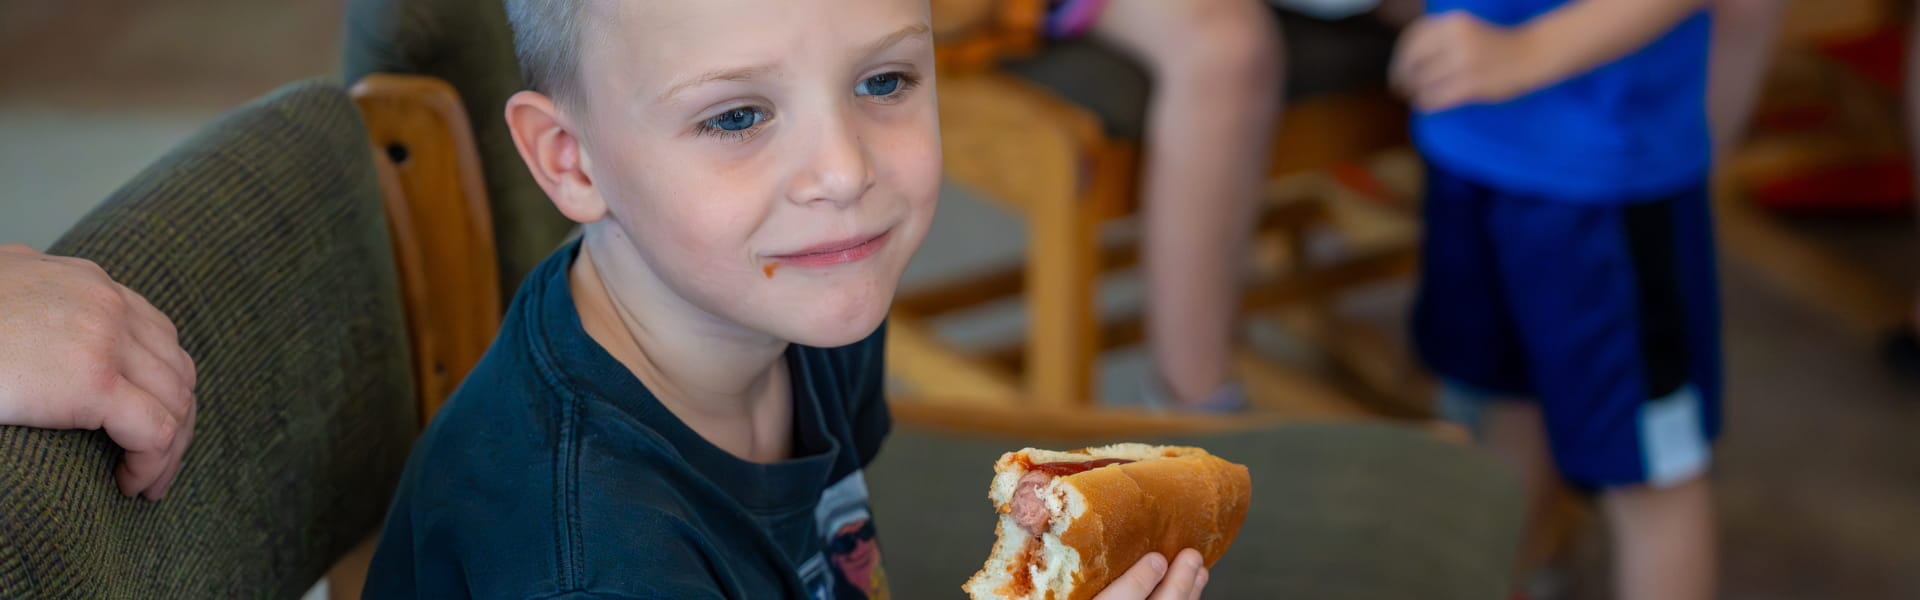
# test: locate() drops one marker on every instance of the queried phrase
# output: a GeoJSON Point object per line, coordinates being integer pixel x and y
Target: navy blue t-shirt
{"type": "Point", "coordinates": [1632, 129]}
{"type": "Point", "coordinates": [554, 473]}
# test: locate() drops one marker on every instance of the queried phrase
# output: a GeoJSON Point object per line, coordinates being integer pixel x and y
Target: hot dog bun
{"type": "Point", "coordinates": [1101, 521]}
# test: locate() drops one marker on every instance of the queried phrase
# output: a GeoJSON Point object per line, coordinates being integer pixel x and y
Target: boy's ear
{"type": "Point", "coordinates": [554, 155]}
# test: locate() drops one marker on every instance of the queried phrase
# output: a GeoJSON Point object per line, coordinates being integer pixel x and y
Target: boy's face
{"type": "Point", "coordinates": [775, 163]}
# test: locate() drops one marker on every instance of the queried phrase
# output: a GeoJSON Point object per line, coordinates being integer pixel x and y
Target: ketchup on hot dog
{"type": "Point", "coordinates": [1063, 469]}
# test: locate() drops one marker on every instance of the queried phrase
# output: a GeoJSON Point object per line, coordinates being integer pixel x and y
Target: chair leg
{"type": "Point", "coordinates": [1062, 269]}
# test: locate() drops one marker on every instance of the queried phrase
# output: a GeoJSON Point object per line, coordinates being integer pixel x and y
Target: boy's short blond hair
{"type": "Point", "coordinates": [546, 40]}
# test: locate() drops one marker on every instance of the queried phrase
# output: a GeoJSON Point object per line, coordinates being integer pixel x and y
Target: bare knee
{"type": "Point", "coordinates": [1221, 47]}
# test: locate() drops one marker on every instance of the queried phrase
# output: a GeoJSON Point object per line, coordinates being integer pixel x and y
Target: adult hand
{"type": "Point", "coordinates": [79, 351]}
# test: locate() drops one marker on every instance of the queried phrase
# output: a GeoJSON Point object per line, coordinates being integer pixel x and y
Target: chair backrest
{"type": "Point", "coordinates": [442, 228]}
{"type": "Point", "coordinates": [263, 238]}
{"type": "Point", "coordinates": [468, 44]}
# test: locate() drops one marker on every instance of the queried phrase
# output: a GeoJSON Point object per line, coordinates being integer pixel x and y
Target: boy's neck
{"type": "Point", "coordinates": [729, 384]}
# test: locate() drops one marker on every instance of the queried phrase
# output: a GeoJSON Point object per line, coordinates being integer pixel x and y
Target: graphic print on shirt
{"type": "Point", "coordinates": [846, 524]}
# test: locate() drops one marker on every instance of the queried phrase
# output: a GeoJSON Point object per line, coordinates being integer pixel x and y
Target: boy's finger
{"type": "Point", "coordinates": [1179, 581]}
{"type": "Point", "coordinates": [1418, 48]}
{"type": "Point", "coordinates": [1443, 93]}
{"type": "Point", "coordinates": [1426, 95]}
{"type": "Point", "coordinates": [18, 249]}
{"type": "Point", "coordinates": [1200, 583]}
{"type": "Point", "coordinates": [1139, 580]}
{"type": "Point", "coordinates": [1409, 76]}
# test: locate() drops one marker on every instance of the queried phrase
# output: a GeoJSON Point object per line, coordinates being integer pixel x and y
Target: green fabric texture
{"type": "Point", "coordinates": [263, 238]}
{"type": "Point", "coordinates": [1340, 512]}
{"type": "Point", "coordinates": [468, 44]}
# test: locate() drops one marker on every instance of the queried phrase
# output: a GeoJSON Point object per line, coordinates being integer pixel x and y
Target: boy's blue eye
{"type": "Point", "coordinates": [738, 119]}
{"type": "Point", "coordinates": [884, 84]}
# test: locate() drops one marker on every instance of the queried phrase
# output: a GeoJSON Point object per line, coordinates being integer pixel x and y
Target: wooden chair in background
{"type": "Point", "coordinates": [1050, 162]}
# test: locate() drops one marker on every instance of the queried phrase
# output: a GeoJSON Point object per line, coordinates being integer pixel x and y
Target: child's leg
{"type": "Point", "coordinates": [1512, 431]}
{"type": "Point", "coordinates": [1617, 308]}
{"type": "Point", "coordinates": [1663, 540]}
{"type": "Point", "coordinates": [1743, 40]}
{"type": "Point", "coordinates": [1464, 331]}
{"type": "Point", "coordinates": [1216, 96]}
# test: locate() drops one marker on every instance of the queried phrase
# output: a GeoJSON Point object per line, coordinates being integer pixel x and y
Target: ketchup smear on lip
{"type": "Point", "coordinates": [1063, 469]}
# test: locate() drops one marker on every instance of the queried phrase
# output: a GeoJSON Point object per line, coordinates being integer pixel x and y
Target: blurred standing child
{"type": "Point", "coordinates": [1569, 257]}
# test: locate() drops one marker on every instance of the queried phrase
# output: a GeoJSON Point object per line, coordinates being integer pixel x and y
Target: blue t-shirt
{"type": "Point", "coordinates": [554, 473]}
{"type": "Point", "coordinates": [1632, 129]}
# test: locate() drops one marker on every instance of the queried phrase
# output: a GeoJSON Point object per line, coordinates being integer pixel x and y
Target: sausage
{"type": "Point", "coordinates": [1029, 510]}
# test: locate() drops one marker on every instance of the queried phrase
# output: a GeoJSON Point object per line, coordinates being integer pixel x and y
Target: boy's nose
{"type": "Point", "coordinates": [838, 170]}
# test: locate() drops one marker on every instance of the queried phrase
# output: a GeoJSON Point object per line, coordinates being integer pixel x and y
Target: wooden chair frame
{"type": "Point", "coordinates": [441, 224]}
{"type": "Point", "coordinates": [442, 230]}
{"type": "Point", "coordinates": [1052, 163]}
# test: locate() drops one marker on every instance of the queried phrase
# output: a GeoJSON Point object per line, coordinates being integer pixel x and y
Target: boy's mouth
{"type": "Point", "coordinates": [836, 252]}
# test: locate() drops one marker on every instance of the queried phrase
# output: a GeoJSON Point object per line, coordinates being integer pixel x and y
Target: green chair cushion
{"type": "Point", "coordinates": [263, 238]}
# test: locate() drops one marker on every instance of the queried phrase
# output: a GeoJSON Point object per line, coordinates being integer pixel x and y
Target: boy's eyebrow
{"type": "Point", "coordinates": [916, 29]}
{"type": "Point", "coordinates": [746, 73]}
{"type": "Point", "coordinates": [739, 74]}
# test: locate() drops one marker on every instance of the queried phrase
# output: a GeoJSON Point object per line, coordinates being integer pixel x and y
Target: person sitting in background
{"type": "Point", "coordinates": [1216, 69]}
{"type": "Point", "coordinates": [79, 351]}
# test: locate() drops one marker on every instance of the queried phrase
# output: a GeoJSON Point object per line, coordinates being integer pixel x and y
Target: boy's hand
{"type": "Point", "coordinates": [1153, 579]}
{"type": "Point", "coordinates": [1455, 58]}
{"type": "Point", "coordinates": [79, 351]}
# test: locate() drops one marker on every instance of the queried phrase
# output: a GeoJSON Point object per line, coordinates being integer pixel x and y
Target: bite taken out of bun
{"type": "Point", "coordinates": [1072, 522]}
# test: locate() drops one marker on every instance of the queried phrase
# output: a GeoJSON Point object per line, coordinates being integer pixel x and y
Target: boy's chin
{"type": "Point", "coordinates": [832, 328]}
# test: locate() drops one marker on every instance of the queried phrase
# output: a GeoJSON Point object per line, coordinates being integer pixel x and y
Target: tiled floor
{"type": "Point", "coordinates": [1819, 496]}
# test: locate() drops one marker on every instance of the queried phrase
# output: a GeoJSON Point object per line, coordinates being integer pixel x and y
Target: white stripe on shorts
{"type": "Point", "coordinates": [1673, 445]}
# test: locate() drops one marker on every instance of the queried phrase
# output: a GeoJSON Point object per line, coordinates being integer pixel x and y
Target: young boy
{"type": "Point", "coordinates": [1569, 256]}
{"type": "Point", "coordinates": [680, 404]}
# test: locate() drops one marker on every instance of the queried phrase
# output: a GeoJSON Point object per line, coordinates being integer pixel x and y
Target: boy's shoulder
{"type": "Point", "coordinates": [517, 488]}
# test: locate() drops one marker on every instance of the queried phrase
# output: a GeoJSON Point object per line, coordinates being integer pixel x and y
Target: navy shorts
{"type": "Point", "coordinates": [1606, 314]}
